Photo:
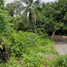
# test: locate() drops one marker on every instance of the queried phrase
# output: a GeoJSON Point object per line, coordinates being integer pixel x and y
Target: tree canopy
{"type": "Point", "coordinates": [53, 15]}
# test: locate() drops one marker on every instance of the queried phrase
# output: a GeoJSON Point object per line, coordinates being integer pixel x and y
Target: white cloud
{"type": "Point", "coordinates": [47, 1]}
{"type": "Point", "coordinates": [9, 1]}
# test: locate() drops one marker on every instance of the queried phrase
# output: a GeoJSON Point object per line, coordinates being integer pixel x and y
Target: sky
{"type": "Point", "coordinates": [47, 1]}
{"type": "Point", "coordinates": [9, 1]}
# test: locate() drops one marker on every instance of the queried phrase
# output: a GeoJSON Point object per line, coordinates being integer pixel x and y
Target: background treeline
{"type": "Point", "coordinates": [48, 17]}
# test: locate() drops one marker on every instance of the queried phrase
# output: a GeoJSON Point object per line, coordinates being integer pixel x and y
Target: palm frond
{"type": "Point", "coordinates": [33, 7]}
{"type": "Point", "coordinates": [39, 9]}
{"type": "Point", "coordinates": [25, 1]}
{"type": "Point", "coordinates": [33, 14]}
{"type": "Point", "coordinates": [25, 14]}
{"type": "Point", "coordinates": [31, 2]}
{"type": "Point", "coordinates": [37, 3]}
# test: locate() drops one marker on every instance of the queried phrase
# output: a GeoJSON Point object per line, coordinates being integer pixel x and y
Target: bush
{"type": "Point", "coordinates": [22, 42]}
{"type": "Point", "coordinates": [29, 46]}
{"type": "Point", "coordinates": [12, 63]}
{"type": "Point", "coordinates": [62, 61]}
{"type": "Point", "coordinates": [58, 61]}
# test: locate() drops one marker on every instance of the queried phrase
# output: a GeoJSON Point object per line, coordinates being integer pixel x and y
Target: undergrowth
{"type": "Point", "coordinates": [29, 47]}
{"type": "Point", "coordinates": [57, 61]}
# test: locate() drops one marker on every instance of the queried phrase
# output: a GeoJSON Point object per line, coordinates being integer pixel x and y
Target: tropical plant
{"type": "Point", "coordinates": [1, 4]}
{"type": "Point", "coordinates": [54, 15]}
{"type": "Point", "coordinates": [32, 8]}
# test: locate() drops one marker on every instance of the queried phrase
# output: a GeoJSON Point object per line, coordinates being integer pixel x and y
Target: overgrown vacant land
{"type": "Point", "coordinates": [25, 31]}
{"type": "Point", "coordinates": [28, 49]}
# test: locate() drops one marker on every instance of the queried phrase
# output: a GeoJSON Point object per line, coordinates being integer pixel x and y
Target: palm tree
{"type": "Point", "coordinates": [33, 9]}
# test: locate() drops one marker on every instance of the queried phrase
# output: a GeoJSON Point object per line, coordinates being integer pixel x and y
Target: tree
{"type": "Point", "coordinates": [59, 14]}
{"type": "Point", "coordinates": [4, 27]}
{"type": "Point", "coordinates": [1, 4]}
{"type": "Point", "coordinates": [32, 8]}
{"type": "Point", "coordinates": [3, 17]}
{"type": "Point", "coordinates": [4, 21]}
{"type": "Point", "coordinates": [14, 8]}
{"type": "Point", "coordinates": [54, 14]}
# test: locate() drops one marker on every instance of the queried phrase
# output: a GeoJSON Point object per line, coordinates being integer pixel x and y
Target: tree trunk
{"type": "Point", "coordinates": [53, 34]}
{"type": "Point", "coordinates": [26, 19]}
{"type": "Point", "coordinates": [34, 27]}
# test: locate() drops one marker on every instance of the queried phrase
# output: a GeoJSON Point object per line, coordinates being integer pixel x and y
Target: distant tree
{"type": "Point", "coordinates": [14, 8]}
{"type": "Point", "coordinates": [60, 13]}
{"type": "Point", "coordinates": [3, 19]}
{"type": "Point", "coordinates": [1, 4]}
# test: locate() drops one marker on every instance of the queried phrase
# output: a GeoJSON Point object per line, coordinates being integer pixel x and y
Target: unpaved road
{"type": "Point", "coordinates": [61, 44]}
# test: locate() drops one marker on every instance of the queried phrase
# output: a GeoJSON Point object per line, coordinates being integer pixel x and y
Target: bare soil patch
{"type": "Point", "coordinates": [60, 38]}
{"type": "Point", "coordinates": [61, 44]}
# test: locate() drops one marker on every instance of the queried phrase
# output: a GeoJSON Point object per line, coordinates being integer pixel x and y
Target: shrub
{"type": "Point", "coordinates": [29, 46]}
{"type": "Point", "coordinates": [12, 63]}
{"type": "Point", "coordinates": [62, 61]}
{"type": "Point", "coordinates": [58, 61]}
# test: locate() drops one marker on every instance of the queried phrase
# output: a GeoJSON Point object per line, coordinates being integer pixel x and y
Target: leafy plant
{"type": "Point", "coordinates": [29, 46]}
{"type": "Point", "coordinates": [62, 60]}
{"type": "Point", "coordinates": [12, 63]}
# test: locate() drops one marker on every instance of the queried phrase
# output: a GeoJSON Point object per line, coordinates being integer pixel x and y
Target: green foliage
{"type": "Point", "coordinates": [62, 61]}
{"type": "Point", "coordinates": [32, 60]}
{"type": "Point", "coordinates": [3, 19]}
{"type": "Point", "coordinates": [30, 47]}
{"type": "Point", "coordinates": [12, 63]}
{"type": "Point", "coordinates": [58, 25]}
{"type": "Point", "coordinates": [1, 47]}
{"type": "Point", "coordinates": [58, 61]}
{"type": "Point", "coordinates": [1, 4]}
{"type": "Point", "coordinates": [24, 41]}
{"type": "Point", "coordinates": [14, 8]}
{"type": "Point", "coordinates": [4, 22]}
{"type": "Point", "coordinates": [35, 60]}
{"type": "Point", "coordinates": [41, 26]}
{"type": "Point", "coordinates": [1, 63]}
{"type": "Point", "coordinates": [27, 46]}
{"type": "Point", "coordinates": [19, 23]}
{"type": "Point", "coordinates": [33, 9]}
{"type": "Point", "coordinates": [54, 16]}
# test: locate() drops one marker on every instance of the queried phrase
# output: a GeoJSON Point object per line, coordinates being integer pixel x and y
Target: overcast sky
{"type": "Point", "coordinates": [9, 1]}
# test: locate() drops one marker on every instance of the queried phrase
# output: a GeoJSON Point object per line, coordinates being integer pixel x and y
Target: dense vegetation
{"type": "Point", "coordinates": [24, 32]}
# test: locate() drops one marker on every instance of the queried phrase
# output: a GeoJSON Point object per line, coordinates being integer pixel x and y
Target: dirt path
{"type": "Point", "coordinates": [61, 44]}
